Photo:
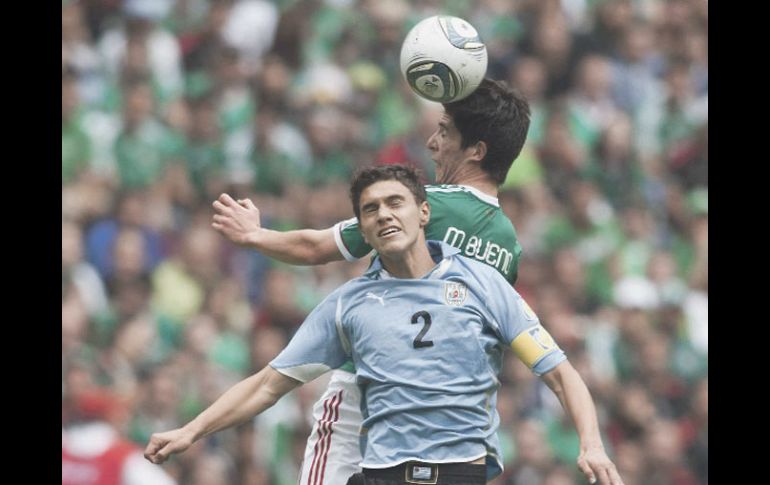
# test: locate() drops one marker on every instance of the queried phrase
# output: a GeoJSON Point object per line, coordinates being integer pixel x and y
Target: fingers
{"type": "Point", "coordinates": [583, 465]}
{"type": "Point", "coordinates": [614, 475]}
{"type": "Point", "coordinates": [607, 473]}
{"type": "Point", "coordinates": [227, 200]}
{"type": "Point", "coordinates": [247, 203]}
{"type": "Point", "coordinates": [223, 203]}
{"type": "Point", "coordinates": [219, 207]}
{"type": "Point", "coordinates": [603, 473]}
{"type": "Point", "coordinates": [163, 445]}
{"type": "Point", "coordinates": [163, 454]}
{"type": "Point", "coordinates": [221, 224]}
{"type": "Point", "coordinates": [158, 457]}
{"type": "Point", "coordinates": [604, 477]}
{"type": "Point", "coordinates": [152, 452]}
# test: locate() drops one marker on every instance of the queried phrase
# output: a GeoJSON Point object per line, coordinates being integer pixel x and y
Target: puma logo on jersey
{"type": "Point", "coordinates": [381, 299]}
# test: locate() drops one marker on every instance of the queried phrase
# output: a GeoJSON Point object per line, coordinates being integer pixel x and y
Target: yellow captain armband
{"type": "Point", "coordinates": [532, 344]}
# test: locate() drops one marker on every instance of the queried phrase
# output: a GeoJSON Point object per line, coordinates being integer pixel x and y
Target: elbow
{"type": "Point", "coordinates": [319, 247]}
{"type": "Point", "coordinates": [314, 258]}
{"type": "Point", "coordinates": [309, 257]}
{"type": "Point", "coordinates": [315, 253]}
{"type": "Point", "coordinates": [272, 397]}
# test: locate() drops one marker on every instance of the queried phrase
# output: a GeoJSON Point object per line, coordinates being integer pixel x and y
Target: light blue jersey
{"type": "Point", "coordinates": [427, 353]}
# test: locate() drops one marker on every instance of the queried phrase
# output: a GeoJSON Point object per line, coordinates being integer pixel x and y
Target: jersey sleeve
{"type": "Point", "coordinates": [520, 327]}
{"type": "Point", "coordinates": [318, 346]}
{"type": "Point", "coordinates": [350, 241]}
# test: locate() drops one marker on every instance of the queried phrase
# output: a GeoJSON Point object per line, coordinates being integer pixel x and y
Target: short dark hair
{"type": "Point", "coordinates": [365, 177]}
{"type": "Point", "coordinates": [499, 116]}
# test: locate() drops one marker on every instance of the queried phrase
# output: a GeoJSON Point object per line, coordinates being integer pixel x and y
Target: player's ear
{"type": "Point", "coordinates": [478, 151]}
{"type": "Point", "coordinates": [424, 213]}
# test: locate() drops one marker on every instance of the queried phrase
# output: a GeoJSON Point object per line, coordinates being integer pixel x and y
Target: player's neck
{"type": "Point", "coordinates": [472, 176]}
{"type": "Point", "coordinates": [483, 185]}
{"type": "Point", "coordinates": [413, 263]}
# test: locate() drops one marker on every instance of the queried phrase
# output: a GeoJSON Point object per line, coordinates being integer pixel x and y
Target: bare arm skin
{"type": "Point", "coordinates": [239, 221]}
{"type": "Point", "coordinates": [243, 401]}
{"type": "Point", "coordinates": [569, 387]}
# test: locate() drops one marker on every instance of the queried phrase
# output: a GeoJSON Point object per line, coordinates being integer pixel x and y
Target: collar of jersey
{"type": "Point", "coordinates": [441, 253]}
{"type": "Point", "coordinates": [481, 195]}
{"type": "Point", "coordinates": [473, 190]}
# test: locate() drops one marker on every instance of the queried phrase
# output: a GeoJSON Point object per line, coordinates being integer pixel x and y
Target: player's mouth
{"type": "Point", "coordinates": [388, 232]}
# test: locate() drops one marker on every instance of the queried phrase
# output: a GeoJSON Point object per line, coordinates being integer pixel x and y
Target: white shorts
{"type": "Point", "coordinates": [332, 452]}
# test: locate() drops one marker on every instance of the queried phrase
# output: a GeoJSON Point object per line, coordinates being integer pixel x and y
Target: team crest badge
{"type": "Point", "coordinates": [455, 293]}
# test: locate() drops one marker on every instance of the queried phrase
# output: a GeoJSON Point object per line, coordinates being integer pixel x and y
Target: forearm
{"type": "Point", "coordinates": [241, 402]}
{"type": "Point", "coordinates": [300, 247]}
{"type": "Point", "coordinates": [576, 400]}
{"type": "Point", "coordinates": [569, 387]}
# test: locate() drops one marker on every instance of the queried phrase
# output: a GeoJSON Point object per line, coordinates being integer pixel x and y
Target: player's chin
{"type": "Point", "coordinates": [392, 246]}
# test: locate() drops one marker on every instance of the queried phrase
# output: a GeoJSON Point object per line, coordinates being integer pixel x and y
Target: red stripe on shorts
{"type": "Point", "coordinates": [329, 436]}
{"type": "Point", "coordinates": [318, 443]}
{"type": "Point", "coordinates": [327, 427]}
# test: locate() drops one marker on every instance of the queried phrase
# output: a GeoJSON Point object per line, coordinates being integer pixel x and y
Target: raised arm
{"type": "Point", "coordinates": [243, 401]}
{"type": "Point", "coordinates": [569, 387]}
{"type": "Point", "coordinates": [239, 221]}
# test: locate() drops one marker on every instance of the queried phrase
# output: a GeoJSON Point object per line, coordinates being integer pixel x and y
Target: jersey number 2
{"type": "Point", "coordinates": [418, 341]}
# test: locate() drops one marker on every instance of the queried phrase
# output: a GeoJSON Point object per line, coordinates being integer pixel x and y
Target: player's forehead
{"type": "Point", "coordinates": [385, 189]}
{"type": "Point", "coordinates": [446, 119]}
{"type": "Point", "coordinates": [447, 123]}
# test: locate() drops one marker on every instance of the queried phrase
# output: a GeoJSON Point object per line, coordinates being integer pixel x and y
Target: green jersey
{"type": "Point", "coordinates": [460, 216]}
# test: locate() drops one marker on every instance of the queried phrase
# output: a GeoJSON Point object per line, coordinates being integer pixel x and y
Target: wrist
{"type": "Point", "coordinates": [194, 430]}
{"type": "Point", "coordinates": [254, 238]}
{"type": "Point", "coordinates": [592, 444]}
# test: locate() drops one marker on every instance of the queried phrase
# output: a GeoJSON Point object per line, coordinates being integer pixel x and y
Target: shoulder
{"type": "Point", "coordinates": [479, 271]}
{"type": "Point", "coordinates": [347, 288]}
{"type": "Point", "coordinates": [452, 199]}
{"type": "Point", "coordinates": [348, 291]}
{"type": "Point", "coordinates": [444, 190]}
{"type": "Point", "coordinates": [461, 192]}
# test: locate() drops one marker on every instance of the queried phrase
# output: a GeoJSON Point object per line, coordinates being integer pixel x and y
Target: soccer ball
{"type": "Point", "coordinates": [443, 59]}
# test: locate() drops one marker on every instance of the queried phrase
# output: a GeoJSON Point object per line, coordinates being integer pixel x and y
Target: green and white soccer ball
{"type": "Point", "coordinates": [443, 59]}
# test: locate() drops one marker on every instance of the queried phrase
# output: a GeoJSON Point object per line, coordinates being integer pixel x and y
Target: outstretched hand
{"type": "Point", "coordinates": [163, 445]}
{"type": "Point", "coordinates": [595, 464]}
{"type": "Point", "coordinates": [235, 220]}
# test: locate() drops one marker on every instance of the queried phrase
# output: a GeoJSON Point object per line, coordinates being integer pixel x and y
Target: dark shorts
{"type": "Point", "coordinates": [417, 473]}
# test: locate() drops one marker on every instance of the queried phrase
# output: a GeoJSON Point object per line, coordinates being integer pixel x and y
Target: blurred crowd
{"type": "Point", "coordinates": [168, 103]}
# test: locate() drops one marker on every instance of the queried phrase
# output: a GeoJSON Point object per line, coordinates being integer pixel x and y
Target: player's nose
{"type": "Point", "coordinates": [431, 143]}
{"type": "Point", "coordinates": [384, 213]}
